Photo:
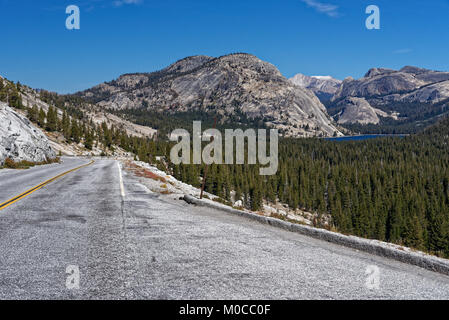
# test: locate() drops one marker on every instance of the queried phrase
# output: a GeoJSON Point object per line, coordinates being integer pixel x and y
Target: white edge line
{"type": "Point", "coordinates": [122, 187]}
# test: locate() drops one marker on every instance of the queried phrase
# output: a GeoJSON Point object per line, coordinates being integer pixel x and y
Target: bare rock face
{"type": "Point", "coordinates": [323, 86]}
{"type": "Point", "coordinates": [375, 84]}
{"type": "Point", "coordinates": [406, 95]}
{"type": "Point", "coordinates": [237, 84]}
{"type": "Point", "coordinates": [20, 140]}
{"type": "Point", "coordinates": [409, 84]}
{"type": "Point", "coordinates": [378, 71]}
{"type": "Point", "coordinates": [357, 110]}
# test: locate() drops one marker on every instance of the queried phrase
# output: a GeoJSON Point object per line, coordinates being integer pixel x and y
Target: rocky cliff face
{"type": "Point", "coordinates": [358, 110]}
{"type": "Point", "coordinates": [230, 85]}
{"type": "Point", "coordinates": [407, 95]}
{"type": "Point", "coordinates": [20, 140]}
{"type": "Point", "coordinates": [409, 84]}
{"type": "Point", "coordinates": [323, 86]}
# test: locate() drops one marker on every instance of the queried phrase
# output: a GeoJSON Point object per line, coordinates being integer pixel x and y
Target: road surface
{"type": "Point", "coordinates": [146, 246]}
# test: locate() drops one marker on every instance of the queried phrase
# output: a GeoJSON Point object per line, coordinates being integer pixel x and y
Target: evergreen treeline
{"type": "Point", "coordinates": [66, 116]}
{"type": "Point", "coordinates": [10, 93]}
{"type": "Point", "coordinates": [166, 122]}
{"type": "Point", "coordinates": [390, 189]}
{"type": "Point", "coordinates": [414, 117]}
{"type": "Point", "coordinates": [100, 135]}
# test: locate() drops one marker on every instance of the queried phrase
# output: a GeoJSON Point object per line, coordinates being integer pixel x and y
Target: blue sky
{"type": "Point", "coordinates": [314, 37]}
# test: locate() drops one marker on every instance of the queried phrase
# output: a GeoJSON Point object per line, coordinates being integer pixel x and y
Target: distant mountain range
{"type": "Point", "coordinates": [325, 87]}
{"type": "Point", "coordinates": [384, 99]}
{"type": "Point", "coordinates": [239, 88]}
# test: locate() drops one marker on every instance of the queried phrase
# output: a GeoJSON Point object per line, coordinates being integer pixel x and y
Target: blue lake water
{"type": "Point", "coordinates": [365, 137]}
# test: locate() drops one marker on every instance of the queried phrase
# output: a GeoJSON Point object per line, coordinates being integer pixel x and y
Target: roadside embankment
{"type": "Point", "coordinates": [375, 247]}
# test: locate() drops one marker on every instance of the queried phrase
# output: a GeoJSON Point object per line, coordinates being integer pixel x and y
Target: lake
{"type": "Point", "coordinates": [366, 137]}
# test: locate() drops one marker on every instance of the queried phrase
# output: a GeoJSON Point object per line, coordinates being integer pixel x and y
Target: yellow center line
{"type": "Point", "coordinates": [39, 186]}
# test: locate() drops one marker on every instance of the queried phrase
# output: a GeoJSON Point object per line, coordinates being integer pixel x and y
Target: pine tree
{"type": "Point", "coordinates": [41, 118]}
{"type": "Point", "coordinates": [66, 129]}
{"type": "Point", "coordinates": [75, 131]}
{"type": "Point", "coordinates": [33, 113]}
{"type": "Point", "coordinates": [52, 119]}
{"type": "Point", "coordinates": [88, 141]}
{"type": "Point", "coordinates": [256, 198]}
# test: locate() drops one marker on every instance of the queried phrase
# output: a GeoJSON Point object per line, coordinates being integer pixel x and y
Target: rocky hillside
{"type": "Point", "coordinates": [358, 110]}
{"type": "Point", "coordinates": [409, 84]}
{"type": "Point", "coordinates": [238, 87]}
{"type": "Point", "coordinates": [73, 126]}
{"type": "Point", "coordinates": [409, 95]}
{"type": "Point", "coordinates": [20, 140]}
{"type": "Point", "coordinates": [325, 87]}
{"type": "Point", "coordinates": [90, 113]}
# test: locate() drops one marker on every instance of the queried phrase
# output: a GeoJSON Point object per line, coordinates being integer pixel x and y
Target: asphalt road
{"type": "Point", "coordinates": [144, 246]}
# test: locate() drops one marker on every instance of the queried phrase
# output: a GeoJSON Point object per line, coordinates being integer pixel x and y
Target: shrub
{"type": "Point", "coordinates": [9, 163]}
{"type": "Point", "coordinates": [24, 164]}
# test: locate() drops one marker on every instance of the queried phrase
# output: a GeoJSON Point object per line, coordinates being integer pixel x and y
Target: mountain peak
{"type": "Point", "coordinates": [188, 63]}
{"type": "Point", "coordinates": [323, 86]}
{"type": "Point", "coordinates": [239, 87]}
{"type": "Point", "coordinates": [414, 70]}
{"type": "Point", "coordinates": [378, 71]}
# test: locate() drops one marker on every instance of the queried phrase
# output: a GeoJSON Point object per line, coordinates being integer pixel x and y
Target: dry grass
{"type": "Point", "coordinates": [11, 164]}
{"type": "Point", "coordinates": [148, 174]}
{"type": "Point", "coordinates": [141, 172]}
